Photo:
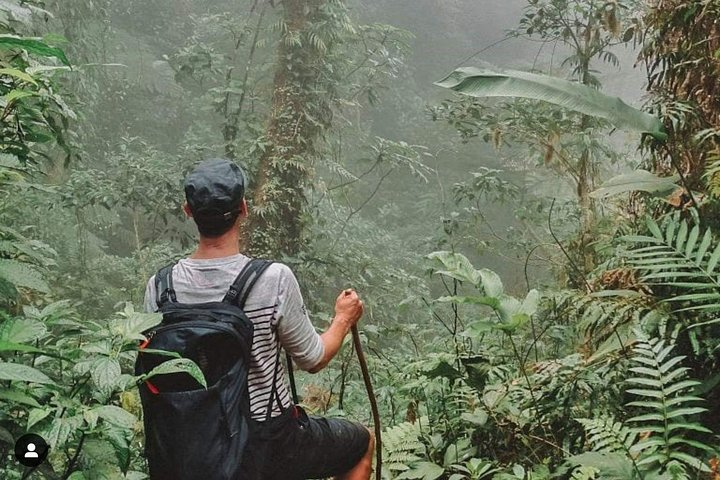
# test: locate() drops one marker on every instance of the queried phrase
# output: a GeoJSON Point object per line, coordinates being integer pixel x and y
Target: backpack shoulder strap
{"type": "Point", "coordinates": [245, 281]}
{"type": "Point", "coordinates": [164, 286]}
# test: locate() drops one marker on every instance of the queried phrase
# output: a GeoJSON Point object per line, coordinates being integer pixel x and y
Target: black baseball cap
{"type": "Point", "coordinates": [214, 190]}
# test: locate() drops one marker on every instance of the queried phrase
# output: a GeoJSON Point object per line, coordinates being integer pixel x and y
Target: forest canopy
{"type": "Point", "coordinates": [530, 220]}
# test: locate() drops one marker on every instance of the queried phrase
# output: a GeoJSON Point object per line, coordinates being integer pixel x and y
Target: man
{"type": "Point", "coordinates": [289, 445]}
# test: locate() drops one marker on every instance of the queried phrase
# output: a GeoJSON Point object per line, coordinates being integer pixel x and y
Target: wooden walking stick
{"type": "Point", "coordinates": [373, 401]}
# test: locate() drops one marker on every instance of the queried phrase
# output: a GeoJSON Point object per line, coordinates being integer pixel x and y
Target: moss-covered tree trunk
{"type": "Point", "coordinates": [299, 114]}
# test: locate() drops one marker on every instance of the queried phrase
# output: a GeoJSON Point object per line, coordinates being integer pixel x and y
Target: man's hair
{"type": "Point", "coordinates": [216, 227]}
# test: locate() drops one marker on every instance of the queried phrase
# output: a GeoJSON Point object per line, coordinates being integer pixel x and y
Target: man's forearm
{"type": "Point", "coordinates": [332, 341]}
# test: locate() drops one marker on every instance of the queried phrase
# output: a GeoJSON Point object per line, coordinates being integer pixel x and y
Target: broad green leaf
{"type": "Point", "coordinates": [46, 69]}
{"type": "Point", "coordinates": [118, 438]}
{"type": "Point", "coordinates": [116, 416]}
{"type": "Point", "coordinates": [15, 73]}
{"type": "Point", "coordinates": [489, 301]}
{"type": "Point", "coordinates": [637, 181]}
{"type": "Point", "coordinates": [164, 353]}
{"type": "Point", "coordinates": [178, 365]}
{"type": "Point", "coordinates": [34, 46]}
{"type": "Point", "coordinates": [491, 283]}
{"type": "Point", "coordinates": [61, 429]}
{"type": "Point", "coordinates": [422, 471]}
{"type": "Point", "coordinates": [17, 95]}
{"type": "Point", "coordinates": [480, 327]}
{"type": "Point", "coordinates": [16, 396]}
{"type": "Point", "coordinates": [458, 452]}
{"type": "Point", "coordinates": [105, 373]}
{"type": "Point", "coordinates": [509, 306]}
{"type": "Point", "coordinates": [478, 417]}
{"type": "Point", "coordinates": [495, 82]}
{"type": "Point", "coordinates": [17, 347]}
{"type": "Point", "coordinates": [456, 266]}
{"type": "Point", "coordinates": [22, 274]}
{"type": "Point", "coordinates": [530, 304]}
{"type": "Point", "coordinates": [23, 373]}
{"type": "Point", "coordinates": [37, 415]}
{"type": "Point", "coordinates": [613, 466]}
{"type": "Point", "coordinates": [131, 328]}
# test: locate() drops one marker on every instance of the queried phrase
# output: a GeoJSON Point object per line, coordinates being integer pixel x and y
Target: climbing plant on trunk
{"type": "Point", "coordinates": [303, 90]}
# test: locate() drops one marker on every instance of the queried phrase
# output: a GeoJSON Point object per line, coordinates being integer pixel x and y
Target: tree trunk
{"type": "Point", "coordinates": [276, 224]}
{"type": "Point", "coordinates": [586, 183]}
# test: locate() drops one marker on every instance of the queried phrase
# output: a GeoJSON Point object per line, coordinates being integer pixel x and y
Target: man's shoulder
{"type": "Point", "coordinates": [278, 272]}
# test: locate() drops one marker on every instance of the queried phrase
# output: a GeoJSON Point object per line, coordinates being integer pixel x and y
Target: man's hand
{"type": "Point", "coordinates": [348, 310]}
{"type": "Point", "coordinates": [348, 307]}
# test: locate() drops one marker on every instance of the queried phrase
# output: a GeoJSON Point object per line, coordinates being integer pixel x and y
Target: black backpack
{"type": "Point", "coordinates": [192, 432]}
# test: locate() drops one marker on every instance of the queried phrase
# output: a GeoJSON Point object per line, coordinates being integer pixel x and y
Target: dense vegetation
{"type": "Point", "coordinates": [602, 363]}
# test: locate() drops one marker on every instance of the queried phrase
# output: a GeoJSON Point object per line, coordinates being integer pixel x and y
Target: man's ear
{"type": "Point", "coordinates": [243, 209]}
{"type": "Point", "coordinates": [186, 209]}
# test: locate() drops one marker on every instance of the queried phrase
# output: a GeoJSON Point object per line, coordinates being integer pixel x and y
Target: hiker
{"type": "Point", "coordinates": [284, 442]}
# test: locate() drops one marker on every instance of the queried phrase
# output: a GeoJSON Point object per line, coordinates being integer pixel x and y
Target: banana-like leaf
{"type": "Point", "coordinates": [492, 82]}
{"type": "Point", "coordinates": [639, 180]}
{"type": "Point", "coordinates": [33, 45]}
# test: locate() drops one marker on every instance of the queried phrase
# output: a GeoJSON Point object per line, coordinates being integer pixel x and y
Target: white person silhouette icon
{"type": "Point", "coordinates": [31, 450]}
{"type": "Point", "coordinates": [31, 453]}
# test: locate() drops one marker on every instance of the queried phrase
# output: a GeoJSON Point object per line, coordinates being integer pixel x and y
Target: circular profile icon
{"type": "Point", "coordinates": [31, 450]}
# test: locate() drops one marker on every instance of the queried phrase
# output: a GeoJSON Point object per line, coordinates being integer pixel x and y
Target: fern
{"type": "Point", "coordinates": [599, 318]}
{"type": "Point", "coordinates": [402, 446]}
{"type": "Point", "coordinates": [606, 435]}
{"type": "Point", "coordinates": [668, 405]}
{"type": "Point", "coordinates": [680, 256]}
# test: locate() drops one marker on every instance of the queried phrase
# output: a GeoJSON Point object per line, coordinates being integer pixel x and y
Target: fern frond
{"type": "Point", "coordinates": [599, 318]}
{"type": "Point", "coordinates": [683, 257]}
{"type": "Point", "coordinates": [606, 435]}
{"type": "Point", "coordinates": [665, 398]}
{"type": "Point", "coordinates": [402, 446]}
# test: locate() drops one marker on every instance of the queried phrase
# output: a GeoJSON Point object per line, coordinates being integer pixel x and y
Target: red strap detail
{"type": "Point", "coordinates": [153, 389]}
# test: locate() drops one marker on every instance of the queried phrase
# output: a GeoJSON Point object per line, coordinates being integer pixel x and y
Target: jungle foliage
{"type": "Point", "coordinates": [602, 366]}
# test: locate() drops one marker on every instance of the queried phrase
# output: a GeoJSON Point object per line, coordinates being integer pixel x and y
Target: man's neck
{"type": "Point", "coordinates": [223, 246]}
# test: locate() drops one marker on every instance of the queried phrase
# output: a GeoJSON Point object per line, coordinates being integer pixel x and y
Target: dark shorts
{"type": "Point", "coordinates": [297, 447]}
